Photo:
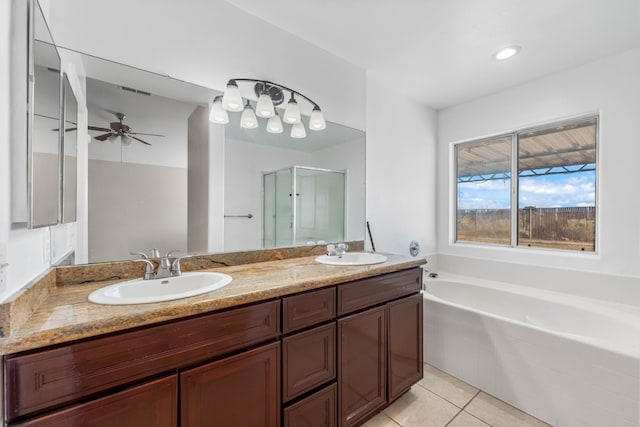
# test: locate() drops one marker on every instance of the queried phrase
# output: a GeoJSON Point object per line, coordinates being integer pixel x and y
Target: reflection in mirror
{"type": "Point", "coordinates": [160, 175]}
{"type": "Point", "coordinates": [44, 136]}
{"type": "Point", "coordinates": [69, 154]}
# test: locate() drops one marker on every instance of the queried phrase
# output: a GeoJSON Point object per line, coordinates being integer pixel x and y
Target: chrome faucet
{"type": "Point", "coordinates": [168, 266]}
{"type": "Point", "coordinates": [337, 250]}
{"type": "Point", "coordinates": [154, 253]}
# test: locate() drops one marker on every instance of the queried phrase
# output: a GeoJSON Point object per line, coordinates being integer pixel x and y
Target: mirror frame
{"type": "Point", "coordinates": [68, 213]}
{"type": "Point", "coordinates": [34, 7]}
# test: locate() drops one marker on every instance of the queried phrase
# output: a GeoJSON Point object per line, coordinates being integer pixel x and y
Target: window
{"type": "Point", "coordinates": [549, 203]}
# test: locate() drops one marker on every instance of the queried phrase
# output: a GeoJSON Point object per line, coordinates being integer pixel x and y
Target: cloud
{"type": "Point", "coordinates": [562, 190]}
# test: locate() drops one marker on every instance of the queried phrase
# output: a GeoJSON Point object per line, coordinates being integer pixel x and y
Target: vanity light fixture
{"type": "Point", "coordinates": [274, 124]}
{"type": "Point", "coordinates": [507, 52]}
{"type": "Point", "coordinates": [297, 131]}
{"type": "Point", "coordinates": [218, 114]}
{"type": "Point", "coordinates": [292, 112]}
{"type": "Point", "coordinates": [269, 96]}
{"type": "Point", "coordinates": [248, 120]}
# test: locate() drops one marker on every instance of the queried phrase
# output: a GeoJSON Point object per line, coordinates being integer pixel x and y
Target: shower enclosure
{"type": "Point", "coordinates": [303, 205]}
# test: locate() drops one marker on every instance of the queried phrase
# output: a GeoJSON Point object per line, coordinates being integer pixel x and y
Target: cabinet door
{"type": "Point", "coordinates": [308, 360]}
{"type": "Point", "coordinates": [241, 390]}
{"type": "Point", "coordinates": [151, 404]}
{"type": "Point", "coordinates": [405, 344]}
{"type": "Point", "coordinates": [362, 365]}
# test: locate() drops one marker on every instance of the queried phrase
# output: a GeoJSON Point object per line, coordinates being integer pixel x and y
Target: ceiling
{"type": "Point", "coordinates": [436, 52]}
{"type": "Point", "coordinates": [439, 52]}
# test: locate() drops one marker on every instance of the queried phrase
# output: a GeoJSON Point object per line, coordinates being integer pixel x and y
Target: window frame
{"type": "Point", "coordinates": [515, 184]}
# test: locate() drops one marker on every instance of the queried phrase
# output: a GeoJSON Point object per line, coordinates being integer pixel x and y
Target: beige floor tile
{"type": "Point", "coordinates": [500, 414]}
{"type": "Point", "coordinates": [380, 420]}
{"type": "Point", "coordinates": [465, 420]}
{"type": "Point", "coordinates": [420, 408]}
{"type": "Point", "coordinates": [444, 385]}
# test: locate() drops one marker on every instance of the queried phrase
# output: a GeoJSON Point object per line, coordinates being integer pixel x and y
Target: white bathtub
{"type": "Point", "coordinates": [568, 360]}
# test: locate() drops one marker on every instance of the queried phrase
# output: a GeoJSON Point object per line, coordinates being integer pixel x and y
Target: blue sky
{"type": "Point", "coordinates": [550, 191]}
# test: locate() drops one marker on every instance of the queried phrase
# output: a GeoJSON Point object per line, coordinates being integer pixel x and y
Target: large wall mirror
{"type": "Point", "coordinates": [43, 135]}
{"type": "Point", "coordinates": [140, 176]}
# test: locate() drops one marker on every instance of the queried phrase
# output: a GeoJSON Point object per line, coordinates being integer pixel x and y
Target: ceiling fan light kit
{"type": "Point", "coordinates": [119, 130]}
{"type": "Point", "coordinates": [269, 96]}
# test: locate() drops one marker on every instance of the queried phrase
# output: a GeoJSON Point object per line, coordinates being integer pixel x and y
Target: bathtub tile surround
{"type": "Point", "coordinates": [569, 360]}
{"type": "Point", "coordinates": [441, 400]}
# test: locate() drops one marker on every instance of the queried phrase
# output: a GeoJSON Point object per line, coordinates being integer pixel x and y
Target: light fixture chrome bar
{"type": "Point", "coordinates": [295, 92]}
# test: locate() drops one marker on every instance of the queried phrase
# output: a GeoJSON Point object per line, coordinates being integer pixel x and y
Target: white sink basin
{"type": "Point", "coordinates": [352, 258]}
{"type": "Point", "coordinates": [140, 291]}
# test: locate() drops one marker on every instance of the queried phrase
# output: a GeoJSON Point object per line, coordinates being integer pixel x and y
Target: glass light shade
{"type": "Point", "coordinates": [264, 108]}
{"type": "Point", "coordinates": [112, 137]}
{"type": "Point", "coordinates": [217, 114]}
{"type": "Point", "coordinates": [292, 112]}
{"type": "Point", "coordinates": [248, 120]}
{"type": "Point", "coordinates": [232, 100]}
{"type": "Point", "coordinates": [316, 121]}
{"type": "Point", "coordinates": [297, 131]}
{"type": "Point", "coordinates": [274, 124]}
{"type": "Point", "coordinates": [125, 140]}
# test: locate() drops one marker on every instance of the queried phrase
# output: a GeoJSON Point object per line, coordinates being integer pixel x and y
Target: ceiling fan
{"type": "Point", "coordinates": [119, 129]}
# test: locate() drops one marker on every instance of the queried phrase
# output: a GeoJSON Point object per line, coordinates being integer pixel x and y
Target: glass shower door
{"type": "Point", "coordinates": [278, 209]}
{"type": "Point", "coordinates": [320, 205]}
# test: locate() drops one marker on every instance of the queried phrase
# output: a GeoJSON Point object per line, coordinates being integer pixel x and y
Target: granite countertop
{"type": "Point", "coordinates": [66, 314]}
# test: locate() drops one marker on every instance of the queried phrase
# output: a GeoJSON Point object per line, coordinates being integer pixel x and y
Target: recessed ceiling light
{"type": "Point", "coordinates": [507, 52]}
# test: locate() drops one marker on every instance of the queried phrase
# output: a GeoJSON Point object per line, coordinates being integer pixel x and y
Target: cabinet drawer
{"type": "Point", "coordinates": [300, 311]}
{"type": "Point", "coordinates": [375, 290]}
{"type": "Point", "coordinates": [46, 379]}
{"type": "Point", "coordinates": [308, 360]}
{"type": "Point", "coordinates": [317, 410]}
{"type": "Point", "coordinates": [154, 403]}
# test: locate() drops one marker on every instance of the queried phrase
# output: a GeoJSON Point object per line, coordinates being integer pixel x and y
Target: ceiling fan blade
{"type": "Point", "coordinates": [70, 129]}
{"type": "Point", "coordinates": [148, 134]}
{"type": "Point", "coordinates": [138, 139]}
{"type": "Point", "coordinates": [99, 128]}
{"type": "Point", "coordinates": [103, 137]}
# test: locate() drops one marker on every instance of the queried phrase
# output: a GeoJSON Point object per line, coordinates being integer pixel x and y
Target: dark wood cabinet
{"type": "Point", "coordinates": [151, 404]}
{"type": "Point", "coordinates": [331, 357]}
{"type": "Point", "coordinates": [241, 390]}
{"type": "Point", "coordinates": [308, 309]}
{"type": "Point", "coordinates": [308, 360]}
{"type": "Point", "coordinates": [404, 332]}
{"type": "Point", "coordinates": [362, 365]}
{"type": "Point", "coordinates": [317, 410]}
{"type": "Point", "coordinates": [51, 378]}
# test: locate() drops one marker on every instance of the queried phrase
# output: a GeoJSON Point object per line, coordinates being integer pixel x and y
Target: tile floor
{"type": "Point", "coordinates": [440, 400]}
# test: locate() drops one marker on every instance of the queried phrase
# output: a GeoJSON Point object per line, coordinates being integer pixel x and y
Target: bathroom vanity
{"type": "Point", "coordinates": [289, 342]}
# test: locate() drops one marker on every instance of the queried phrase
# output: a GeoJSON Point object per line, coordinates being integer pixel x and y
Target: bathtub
{"type": "Point", "coordinates": [566, 359]}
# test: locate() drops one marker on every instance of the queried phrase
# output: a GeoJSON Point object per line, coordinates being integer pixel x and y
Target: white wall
{"type": "Point", "coordinates": [611, 87]}
{"type": "Point", "coordinates": [400, 164]}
